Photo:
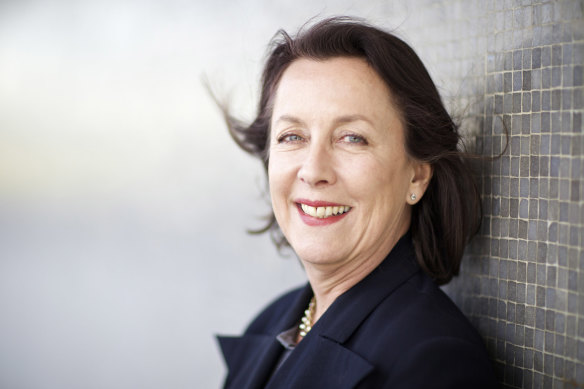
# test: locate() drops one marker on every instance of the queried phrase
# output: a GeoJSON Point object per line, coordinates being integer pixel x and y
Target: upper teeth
{"type": "Point", "coordinates": [322, 212]}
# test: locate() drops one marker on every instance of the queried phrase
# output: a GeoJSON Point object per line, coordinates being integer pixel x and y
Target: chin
{"type": "Point", "coordinates": [317, 254]}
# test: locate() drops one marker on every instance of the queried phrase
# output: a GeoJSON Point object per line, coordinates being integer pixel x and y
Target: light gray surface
{"type": "Point", "coordinates": [123, 202]}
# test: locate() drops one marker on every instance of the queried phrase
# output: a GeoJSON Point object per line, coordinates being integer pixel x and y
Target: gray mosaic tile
{"type": "Point", "coordinates": [527, 294]}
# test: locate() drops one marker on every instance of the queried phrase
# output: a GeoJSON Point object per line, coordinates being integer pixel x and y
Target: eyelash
{"type": "Point", "coordinates": [358, 139]}
{"type": "Point", "coordinates": [286, 138]}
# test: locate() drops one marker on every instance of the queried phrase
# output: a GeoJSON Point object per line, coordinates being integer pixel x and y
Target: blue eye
{"type": "Point", "coordinates": [354, 139]}
{"type": "Point", "coordinates": [289, 138]}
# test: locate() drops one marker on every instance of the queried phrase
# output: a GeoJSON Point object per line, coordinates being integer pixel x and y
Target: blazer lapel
{"type": "Point", "coordinates": [320, 363]}
{"type": "Point", "coordinates": [250, 359]}
{"type": "Point", "coordinates": [321, 359]}
{"type": "Point", "coordinates": [350, 309]}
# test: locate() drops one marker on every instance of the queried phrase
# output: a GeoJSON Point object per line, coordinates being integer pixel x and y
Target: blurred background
{"type": "Point", "coordinates": [123, 201]}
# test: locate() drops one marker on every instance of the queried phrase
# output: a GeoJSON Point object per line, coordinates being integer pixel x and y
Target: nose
{"type": "Point", "coordinates": [317, 167]}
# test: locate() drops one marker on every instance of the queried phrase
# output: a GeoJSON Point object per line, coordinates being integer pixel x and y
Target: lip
{"type": "Point", "coordinates": [314, 221]}
{"type": "Point", "coordinates": [317, 203]}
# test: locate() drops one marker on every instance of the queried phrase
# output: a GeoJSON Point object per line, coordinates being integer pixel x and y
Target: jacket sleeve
{"type": "Point", "coordinates": [443, 363]}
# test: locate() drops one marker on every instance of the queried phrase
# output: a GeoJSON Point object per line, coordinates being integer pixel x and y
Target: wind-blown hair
{"type": "Point", "coordinates": [449, 213]}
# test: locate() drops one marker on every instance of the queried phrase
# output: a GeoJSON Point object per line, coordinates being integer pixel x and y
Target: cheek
{"type": "Point", "coordinates": [382, 182]}
{"type": "Point", "coordinates": [276, 181]}
{"type": "Point", "coordinates": [280, 192]}
{"type": "Point", "coordinates": [272, 179]}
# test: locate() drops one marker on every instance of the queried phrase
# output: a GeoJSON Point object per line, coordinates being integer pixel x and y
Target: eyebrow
{"type": "Point", "coordinates": [290, 119]}
{"type": "Point", "coordinates": [339, 120]}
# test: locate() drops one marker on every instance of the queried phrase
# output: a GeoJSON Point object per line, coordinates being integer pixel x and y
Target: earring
{"type": "Point", "coordinates": [413, 197]}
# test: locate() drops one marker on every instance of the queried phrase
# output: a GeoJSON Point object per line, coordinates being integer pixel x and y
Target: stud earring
{"type": "Point", "coordinates": [413, 197]}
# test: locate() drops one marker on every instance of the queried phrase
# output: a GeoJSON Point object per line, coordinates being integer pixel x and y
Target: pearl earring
{"type": "Point", "coordinates": [413, 197]}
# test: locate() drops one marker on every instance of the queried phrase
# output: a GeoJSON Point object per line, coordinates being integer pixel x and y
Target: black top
{"type": "Point", "coordinates": [393, 329]}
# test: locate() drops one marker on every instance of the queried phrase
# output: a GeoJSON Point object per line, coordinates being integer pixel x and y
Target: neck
{"type": "Point", "coordinates": [328, 285]}
{"type": "Point", "coordinates": [329, 281]}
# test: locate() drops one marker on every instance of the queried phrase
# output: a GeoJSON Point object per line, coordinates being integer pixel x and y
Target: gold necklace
{"type": "Point", "coordinates": [306, 322]}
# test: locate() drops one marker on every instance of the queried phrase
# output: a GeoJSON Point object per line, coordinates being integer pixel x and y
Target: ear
{"type": "Point", "coordinates": [422, 174]}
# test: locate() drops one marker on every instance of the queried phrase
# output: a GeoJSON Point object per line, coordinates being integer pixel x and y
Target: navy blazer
{"type": "Point", "coordinates": [394, 329]}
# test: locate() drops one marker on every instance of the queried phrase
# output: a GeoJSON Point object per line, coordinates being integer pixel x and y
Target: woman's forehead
{"type": "Point", "coordinates": [340, 86]}
{"type": "Point", "coordinates": [331, 77]}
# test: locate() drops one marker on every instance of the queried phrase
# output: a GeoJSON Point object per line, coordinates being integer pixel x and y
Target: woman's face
{"type": "Point", "coordinates": [340, 179]}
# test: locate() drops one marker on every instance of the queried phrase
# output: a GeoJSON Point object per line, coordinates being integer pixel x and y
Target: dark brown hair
{"type": "Point", "coordinates": [449, 213]}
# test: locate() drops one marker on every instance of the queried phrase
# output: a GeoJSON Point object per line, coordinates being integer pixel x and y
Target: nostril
{"type": "Point", "coordinates": [317, 167]}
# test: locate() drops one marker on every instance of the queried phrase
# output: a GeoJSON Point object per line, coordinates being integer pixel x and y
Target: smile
{"type": "Point", "coordinates": [324, 212]}
{"type": "Point", "coordinates": [321, 213]}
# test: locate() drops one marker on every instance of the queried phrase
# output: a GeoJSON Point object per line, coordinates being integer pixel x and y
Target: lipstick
{"type": "Point", "coordinates": [310, 220]}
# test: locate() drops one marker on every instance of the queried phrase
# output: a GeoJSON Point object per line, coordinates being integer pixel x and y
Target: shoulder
{"type": "Point", "coordinates": [270, 319]}
{"type": "Point", "coordinates": [422, 336]}
{"type": "Point", "coordinates": [422, 308]}
{"type": "Point", "coordinates": [447, 362]}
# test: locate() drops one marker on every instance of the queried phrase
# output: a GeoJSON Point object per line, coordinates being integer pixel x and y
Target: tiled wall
{"type": "Point", "coordinates": [522, 283]}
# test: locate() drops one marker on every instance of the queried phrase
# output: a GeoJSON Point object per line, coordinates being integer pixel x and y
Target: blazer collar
{"type": "Point", "coordinates": [251, 358]}
{"type": "Point", "coordinates": [348, 311]}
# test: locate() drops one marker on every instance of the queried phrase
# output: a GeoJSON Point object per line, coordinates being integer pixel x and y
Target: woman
{"type": "Point", "coordinates": [368, 188]}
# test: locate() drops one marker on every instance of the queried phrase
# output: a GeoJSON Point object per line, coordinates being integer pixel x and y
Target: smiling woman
{"type": "Point", "coordinates": [337, 140]}
{"type": "Point", "coordinates": [369, 189]}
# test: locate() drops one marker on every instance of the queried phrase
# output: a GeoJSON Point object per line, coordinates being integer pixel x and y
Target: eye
{"type": "Point", "coordinates": [355, 139]}
{"type": "Point", "coordinates": [290, 138]}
